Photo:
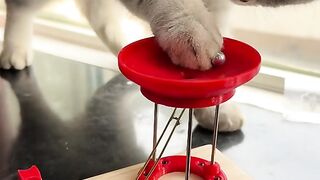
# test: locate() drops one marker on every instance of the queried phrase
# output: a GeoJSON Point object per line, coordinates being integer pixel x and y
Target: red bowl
{"type": "Point", "coordinates": [145, 63]}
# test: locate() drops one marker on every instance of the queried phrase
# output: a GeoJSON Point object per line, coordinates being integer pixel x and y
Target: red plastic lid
{"type": "Point", "coordinates": [145, 63]}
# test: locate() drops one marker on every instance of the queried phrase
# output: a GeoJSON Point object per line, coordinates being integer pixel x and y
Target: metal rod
{"type": "Point", "coordinates": [215, 133]}
{"type": "Point", "coordinates": [155, 148]}
{"type": "Point", "coordinates": [159, 140]}
{"type": "Point", "coordinates": [155, 129]}
{"type": "Point", "coordinates": [163, 149]}
{"type": "Point", "coordinates": [189, 143]}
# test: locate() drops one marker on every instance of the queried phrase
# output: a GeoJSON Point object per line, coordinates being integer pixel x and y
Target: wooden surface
{"type": "Point", "coordinates": [232, 171]}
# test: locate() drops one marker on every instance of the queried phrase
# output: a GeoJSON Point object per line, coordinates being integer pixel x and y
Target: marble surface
{"type": "Point", "coordinates": [75, 120]}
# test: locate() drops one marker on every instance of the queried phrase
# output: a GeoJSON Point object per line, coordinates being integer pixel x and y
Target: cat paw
{"type": "Point", "coordinates": [15, 58]}
{"type": "Point", "coordinates": [189, 43]}
{"type": "Point", "coordinates": [230, 117]}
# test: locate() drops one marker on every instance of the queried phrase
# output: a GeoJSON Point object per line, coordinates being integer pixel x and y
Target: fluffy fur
{"type": "Point", "coordinates": [186, 29]}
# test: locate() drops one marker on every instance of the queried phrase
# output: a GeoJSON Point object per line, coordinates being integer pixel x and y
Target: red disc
{"type": "Point", "coordinates": [145, 63]}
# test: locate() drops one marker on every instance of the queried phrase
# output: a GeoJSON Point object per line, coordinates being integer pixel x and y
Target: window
{"type": "Point", "coordinates": [288, 37]}
{"type": "Point", "coordinates": [56, 12]}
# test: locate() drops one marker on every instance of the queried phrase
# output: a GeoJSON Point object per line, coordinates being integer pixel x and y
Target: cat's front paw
{"type": "Point", "coordinates": [190, 43]}
{"type": "Point", "coordinates": [230, 117]}
{"type": "Point", "coordinates": [15, 58]}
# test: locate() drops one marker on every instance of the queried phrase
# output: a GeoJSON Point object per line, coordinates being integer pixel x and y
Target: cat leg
{"type": "Point", "coordinates": [188, 31]}
{"type": "Point", "coordinates": [185, 29]}
{"type": "Point", "coordinates": [230, 117]}
{"type": "Point", "coordinates": [107, 23]}
{"type": "Point", "coordinates": [17, 51]}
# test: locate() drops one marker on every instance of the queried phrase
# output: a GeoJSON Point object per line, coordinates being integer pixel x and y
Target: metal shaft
{"type": "Point", "coordinates": [159, 140]}
{"type": "Point", "coordinates": [163, 149]}
{"type": "Point", "coordinates": [215, 134]}
{"type": "Point", "coordinates": [155, 129]}
{"type": "Point", "coordinates": [189, 143]}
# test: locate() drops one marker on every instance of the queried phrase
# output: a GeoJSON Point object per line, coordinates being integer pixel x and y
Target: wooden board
{"type": "Point", "coordinates": [232, 171]}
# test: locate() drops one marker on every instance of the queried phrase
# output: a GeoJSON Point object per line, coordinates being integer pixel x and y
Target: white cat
{"type": "Point", "coordinates": [186, 29]}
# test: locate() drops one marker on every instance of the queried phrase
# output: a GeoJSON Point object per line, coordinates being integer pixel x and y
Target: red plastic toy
{"type": "Point", "coordinates": [162, 82]}
{"type": "Point", "coordinates": [32, 173]}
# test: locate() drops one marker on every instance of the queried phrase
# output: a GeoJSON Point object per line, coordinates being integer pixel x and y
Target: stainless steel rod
{"type": "Point", "coordinates": [163, 149]}
{"type": "Point", "coordinates": [215, 133]}
{"type": "Point", "coordinates": [158, 142]}
{"type": "Point", "coordinates": [189, 143]}
{"type": "Point", "coordinates": [155, 129]}
{"type": "Point", "coordinates": [161, 136]}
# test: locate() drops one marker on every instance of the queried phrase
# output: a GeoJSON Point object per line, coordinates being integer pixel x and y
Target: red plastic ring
{"type": "Point", "coordinates": [198, 166]}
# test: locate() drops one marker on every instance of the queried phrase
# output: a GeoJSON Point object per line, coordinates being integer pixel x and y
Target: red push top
{"type": "Point", "coordinates": [146, 64]}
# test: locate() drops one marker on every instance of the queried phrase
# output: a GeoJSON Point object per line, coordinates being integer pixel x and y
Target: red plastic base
{"type": "Point", "coordinates": [199, 167]}
{"type": "Point", "coordinates": [187, 102]}
{"type": "Point", "coordinates": [145, 63]}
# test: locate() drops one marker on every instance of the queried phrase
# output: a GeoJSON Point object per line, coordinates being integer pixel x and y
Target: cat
{"type": "Point", "coordinates": [186, 29]}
